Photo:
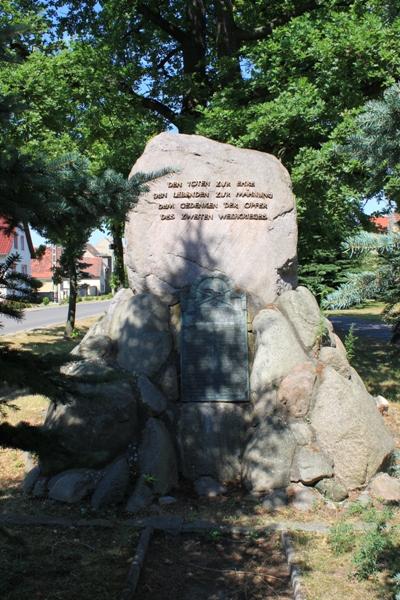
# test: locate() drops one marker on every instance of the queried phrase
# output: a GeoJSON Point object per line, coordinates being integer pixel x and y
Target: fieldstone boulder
{"type": "Point", "coordinates": [73, 485]}
{"type": "Point", "coordinates": [170, 244]}
{"type": "Point", "coordinates": [142, 331]}
{"type": "Point", "coordinates": [89, 370]}
{"type": "Point", "coordinates": [310, 465]}
{"type": "Point", "coordinates": [296, 389]}
{"type": "Point", "coordinates": [332, 489]}
{"type": "Point", "coordinates": [150, 397]}
{"type": "Point", "coordinates": [30, 479]}
{"type": "Point", "coordinates": [301, 309]}
{"type": "Point", "coordinates": [112, 486]}
{"type": "Point", "coordinates": [302, 432]}
{"type": "Point", "coordinates": [277, 351]}
{"type": "Point", "coordinates": [303, 498]}
{"type": "Point", "coordinates": [211, 439]}
{"type": "Point", "coordinates": [334, 357]}
{"type": "Point", "coordinates": [386, 488]}
{"type": "Point", "coordinates": [142, 496]}
{"type": "Point", "coordinates": [93, 426]}
{"type": "Point", "coordinates": [268, 456]}
{"type": "Point", "coordinates": [208, 487]}
{"type": "Point", "coordinates": [349, 429]}
{"type": "Point", "coordinates": [157, 459]}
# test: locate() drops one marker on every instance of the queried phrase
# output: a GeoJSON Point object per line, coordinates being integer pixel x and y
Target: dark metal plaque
{"type": "Point", "coordinates": [214, 354]}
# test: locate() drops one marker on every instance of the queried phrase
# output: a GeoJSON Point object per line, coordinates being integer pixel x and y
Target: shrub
{"type": "Point", "coordinates": [374, 544]}
{"type": "Point", "coordinates": [46, 301]}
{"type": "Point", "coordinates": [341, 538]}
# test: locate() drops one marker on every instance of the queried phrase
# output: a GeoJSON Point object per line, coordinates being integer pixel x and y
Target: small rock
{"type": "Point", "coordinates": [40, 488]}
{"type": "Point", "coordinates": [302, 498]}
{"type": "Point", "coordinates": [157, 457]}
{"type": "Point", "coordinates": [310, 465]}
{"type": "Point", "coordinates": [275, 499]}
{"type": "Point", "coordinates": [73, 485]}
{"type": "Point", "coordinates": [141, 498]}
{"type": "Point", "coordinates": [382, 404]}
{"type": "Point", "coordinates": [208, 487]}
{"type": "Point", "coordinates": [296, 390]}
{"type": "Point", "coordinates": [386, 488]}
{"type": "Point", "coordinates": [112, 486]}
{"type": "Point", "coordinates": [30, 480]}
{"type": "Point", "coordinates": [165, 500]}
{"type": "Point", "coordinates": [29, 461]}
{"type": "Point", "coordinates": [332, 489]}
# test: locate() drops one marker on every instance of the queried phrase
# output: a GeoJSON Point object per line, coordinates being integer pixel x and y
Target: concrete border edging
{"type": "Point", "coordinates": [293, 568]}
{"type": "Point", "coordinates": [132, 579]}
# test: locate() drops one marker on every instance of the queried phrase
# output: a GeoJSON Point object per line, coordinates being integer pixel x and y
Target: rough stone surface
{"type": "Point", "coordinates": [95, 347]}
{"type": "Point", "coordinates": [268, 456]}
{"type": "Point", "coordinates": [95, 425]}
{"type": "Point", "coordinates": [140, 325]}
{"type": "Point", "coordinates": [386, 488]}
{"type": "Point", "coordinates": [212, 438]}
{"type": "Point", "coordinates": [208, 487]}
{"type": "Point", "coordinates": [164, 256]}
{"type": "Point", "coordinates": [168, 382]}
{"type": "Point", "coordinates": [310, 465]}
{"type": "Point", "coordinates": [151, 397]}
{"type": "Point", "coordinates": [157, 459]}
{"type": "Point", "coordinates": [382, 404]}
{"type": "Point", "coordinates": [73, 485]}
{"type": "Point", "coordinates": [301, 309]}
{"type": "Point", "coordinates": [302, 432]}
{"type": "Point", "coordinates": [112, 487]}
{"type": "Point", "coordinates": [295, 391]}
{"type": "Point", "coordinates": [30, 479]}
{"type": "Point", "coordinates": [88, 370]}
{"type": "Point", "coordinates": [303, 498]}
{"type": "Point", "coordinates": [334, 357]}
{"type": "Point", "coordinates": [349, 429]}
{"type": "Point", "coordinates": [167, 500]}
{"type": "Point", "coordinates": [141, 497]}
{"type": "Point", "coordinates": [277, 351]}
{"type": "Point", "coordinates": [332, 489]}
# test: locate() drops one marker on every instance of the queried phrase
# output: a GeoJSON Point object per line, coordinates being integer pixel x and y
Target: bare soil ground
{"type": "Point", "coordinates": [214, 567]}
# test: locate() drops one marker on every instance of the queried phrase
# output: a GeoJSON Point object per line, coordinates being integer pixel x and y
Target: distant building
{"type": "Point", "coordinates": [18, 242]}
{"type": "Point", "coordinates": [42, 269]}
{"type": "Point", "coordinates": [387, 223]}
{"type": "Point", "coordinates": [98, 267]}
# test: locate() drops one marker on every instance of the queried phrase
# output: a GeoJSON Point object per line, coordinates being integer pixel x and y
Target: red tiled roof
{"type": "Point", "coordinates": [42, 267]}
{"type": "Point", "coordinates": [6, 241]}
{"type": "Point", "coordinates": [93, 267]}
{"type": "Point", "coordinates": [383, 222]}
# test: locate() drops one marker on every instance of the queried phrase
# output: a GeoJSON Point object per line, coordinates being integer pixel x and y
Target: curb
{"type": "Point", "coordinates": [293, 568]}
{"type": "Point", "coordinates": [128, 592]}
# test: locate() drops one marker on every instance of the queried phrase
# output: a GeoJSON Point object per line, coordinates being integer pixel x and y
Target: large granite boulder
{"type": "Point", "coordinates": [301, 310]}
{"type": "Point", "coordinates": [223, 209]}
{"type": "Point", "coordinates": [277, 351]}
{"type": "Point", "coordinates": [349, 429]}
{"type": "Point", "coordinates": [268, 456]}
{"type": "Point", "coordinates": [94, 425]}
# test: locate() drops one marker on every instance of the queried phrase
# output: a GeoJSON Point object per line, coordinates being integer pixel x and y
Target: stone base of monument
{"type": "Point", "coordinates": [307, 419]}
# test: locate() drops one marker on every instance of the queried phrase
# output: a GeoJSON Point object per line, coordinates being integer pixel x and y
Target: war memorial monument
{"type": "Point", "coordinates": [214, 366]}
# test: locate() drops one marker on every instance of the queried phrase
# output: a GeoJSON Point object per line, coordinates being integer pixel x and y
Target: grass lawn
{"type": "Point", "coordinates": [87, 563]}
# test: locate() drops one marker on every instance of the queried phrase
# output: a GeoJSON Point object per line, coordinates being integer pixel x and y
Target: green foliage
{"type": "Point", "coordinates": [16, 289]}
{"type": "Point", "coordinates": [374, 544]}
{"type": "Point", "coordinates": [350, 343]}
{"type": "Point", "coordinates": [341, 538]}
{"type": "Point", "coordinates": [46, 301]}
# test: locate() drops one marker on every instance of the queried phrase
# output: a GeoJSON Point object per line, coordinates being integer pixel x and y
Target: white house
{"type": "Point", "coordinates": [18, 242]}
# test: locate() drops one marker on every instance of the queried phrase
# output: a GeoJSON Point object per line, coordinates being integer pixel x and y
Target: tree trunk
{"type": "Point", "coordinates": [73, 293]}
{"type": "Point", "coordinates": [118, 278]}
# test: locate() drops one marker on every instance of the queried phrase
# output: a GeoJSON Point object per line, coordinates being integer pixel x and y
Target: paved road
{"type": "Point", "coordinates": [372, 328]}
{"type": "Point", "coordinates": [45, 317]}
